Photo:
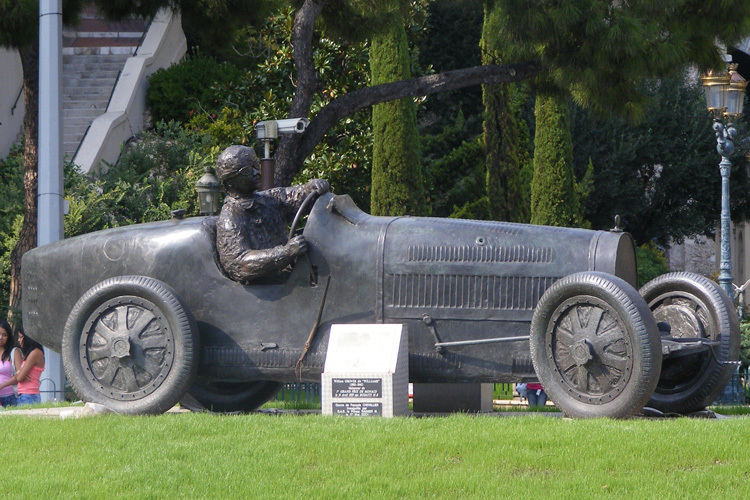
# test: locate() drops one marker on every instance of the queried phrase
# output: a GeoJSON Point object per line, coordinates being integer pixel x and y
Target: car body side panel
{"type": "Point", "coordinates": [446, 279]}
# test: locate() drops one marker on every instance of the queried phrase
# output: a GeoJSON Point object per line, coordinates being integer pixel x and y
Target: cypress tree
{"type": "Point", "coordinates": [397, 178]}
{"type": "Point", "coordinates": [506, 144]}
{"type": "Point", "coordinates": [554, 197]}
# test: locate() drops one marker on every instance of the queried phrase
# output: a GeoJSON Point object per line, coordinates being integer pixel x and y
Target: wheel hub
{"type": "Point", "coordinates": [121, 347]}
{"type": "Point", "coordinates": [582, 352]}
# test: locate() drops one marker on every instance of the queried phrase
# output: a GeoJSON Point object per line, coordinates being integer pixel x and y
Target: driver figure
{"type": "Point", "coordinates": [251, 231]}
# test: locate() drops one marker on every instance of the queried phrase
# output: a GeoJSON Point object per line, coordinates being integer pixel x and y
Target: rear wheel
{"type": "Point", "coordinates": [129, 343]}
{"type": "Point", "coordinates": [595, 346]}
{"type": "Point", "coordinates": [227, 397]}
{"type": "Point", "coordinates": [694, 307]}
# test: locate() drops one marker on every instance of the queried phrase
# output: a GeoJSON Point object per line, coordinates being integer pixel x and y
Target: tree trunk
{"type": "Point", "coordinates": [307, 85]}
{"type": "Point", "coordinates": [27, 238]}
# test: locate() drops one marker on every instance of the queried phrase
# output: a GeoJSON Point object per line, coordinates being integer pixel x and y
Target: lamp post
{"type": "Point", "coordinates": [725, 94]}
{"type": "Point", "coordinates": [209, 188]}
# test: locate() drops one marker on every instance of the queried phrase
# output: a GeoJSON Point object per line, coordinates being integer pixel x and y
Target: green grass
{"type": "Point", "coordinates": [731, 410]}
{"type": "Point", "coordinates": [456, 457]}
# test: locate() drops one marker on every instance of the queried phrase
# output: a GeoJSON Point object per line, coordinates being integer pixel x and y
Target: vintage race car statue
{"type": "Point", "coordinates": [144, 315]}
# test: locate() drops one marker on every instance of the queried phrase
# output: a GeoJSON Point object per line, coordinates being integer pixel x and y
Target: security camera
{"type": "Point", "coordinates": [270, 129]}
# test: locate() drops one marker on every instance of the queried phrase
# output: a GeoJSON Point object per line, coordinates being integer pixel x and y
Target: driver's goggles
{"type": "Point", "coordinates": [246, 170]}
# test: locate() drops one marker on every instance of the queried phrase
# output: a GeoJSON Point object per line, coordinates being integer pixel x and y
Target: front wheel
{"type": "Point", "coordinates": [694, 307]}
{"type": "Point", "coordinates": [595, 346]}
{"type": "Point", "coordinates": [130, 344]}
{"type": "Point", "coordinates": [227, 397]}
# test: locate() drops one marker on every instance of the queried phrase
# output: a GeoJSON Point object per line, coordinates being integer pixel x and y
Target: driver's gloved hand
{"type": "Point", "coordinates": [297, 245]}
{"type": "Point", "coordinates": [320, 186]}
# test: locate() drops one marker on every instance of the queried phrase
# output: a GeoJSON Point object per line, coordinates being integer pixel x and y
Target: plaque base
{"type": "Point", "coordinates": [451, 398]}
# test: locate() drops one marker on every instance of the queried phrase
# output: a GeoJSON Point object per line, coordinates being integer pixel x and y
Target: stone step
{"type": "Point", "coordinates": [100, 104]}
{"type": "Point", "coordinates": [82, 113]}
{"type": "Point", "coordinates": [89, 25]}
{"type": "Point", "coordinates": [80, 93]}
{"type": "Point", "coordinates": [69, 83]}
{"type": "Point", "coordinates": [98, 59]}
{"type": "Point", "coordinates": [94, 53]}
{"type": "Point", "coordinates": [113, 50]}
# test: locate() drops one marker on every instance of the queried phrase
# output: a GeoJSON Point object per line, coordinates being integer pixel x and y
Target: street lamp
{"type": "Point", "coordinates": [725, 93]}
{"type": "Point", "coordinates": [208, 187]}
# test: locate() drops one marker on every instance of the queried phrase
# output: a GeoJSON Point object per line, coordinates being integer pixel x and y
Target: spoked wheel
{"type": "Point", "coordinates": [129, 344]}
{"type": "Point", "coordinates": [694, 307]}
{"type": "Point", "coordinates": [595, 346]}
{"type": "Point", "coordinates": [227, 397]}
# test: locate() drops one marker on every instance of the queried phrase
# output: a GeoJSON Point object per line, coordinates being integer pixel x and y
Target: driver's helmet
{"type": "Point", "coordinates": [235, 160]}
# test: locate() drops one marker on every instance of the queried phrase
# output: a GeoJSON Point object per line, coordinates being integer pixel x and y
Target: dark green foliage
{"type": "Point", "coordinates": [651, 263]}
{"type": "Point", "coordinates": [554, 195]}
{"type": "Point", "coordinates": [207, 23]}
{"type": "Point", "coordinates": [19, 20]}
{"type": "Point", "coordinates": [451, 41]}
{"type": "Point", "coordinates": [455, 177]}
{"type": "Point", "coordinates": [505, 135]}
{"type": "Point", "coordinates": [264, 90]}
{"type": "Point", "coordinates": [600, 49]}
{"type": "Point", "coordinates": [11, 214]}
{"type": "Point", "coordinates": [506, 147]}
{"type": "Point", "coordinates": [178, 92]}
{"type": "Point", "coordinates": [661, 175]}
{"type": "Point", "coordinates": [745, 344]}
{"type": "Point", "coordinates": [156, 175]}
{"type": "Point", "coordinates": [397, 178]}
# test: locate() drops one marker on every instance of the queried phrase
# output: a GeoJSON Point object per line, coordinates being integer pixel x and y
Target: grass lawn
{"type": "Point", "coordinates": [316, 457]}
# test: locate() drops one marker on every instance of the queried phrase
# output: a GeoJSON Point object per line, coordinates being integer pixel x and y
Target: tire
{"type": "Point", "coordinates": [608, 368]}
{"type": "Point", "coordinates": [130, 344]}
{"type": "Point", "coordinates": [693, 306]}
{"type": "Point", "coordinates": [229, 397]}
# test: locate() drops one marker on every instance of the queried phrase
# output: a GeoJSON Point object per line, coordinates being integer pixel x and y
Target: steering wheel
{"type": "Point", "coordinates": [302, 210]}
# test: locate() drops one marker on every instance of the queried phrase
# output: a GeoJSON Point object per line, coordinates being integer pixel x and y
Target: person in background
{"type": "Point", "coordinates": [535, 394]}
{"type": "Point", "coordinates": [10, 361]}
{"type": "Point", "coordinates": [31, 370]}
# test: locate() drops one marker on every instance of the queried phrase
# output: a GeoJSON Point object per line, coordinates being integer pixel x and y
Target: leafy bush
{"type": "Point", "coordinates": [651, 263]}
{"type": "Point", "coordinates": [178, 92]}
{"type": "Point", "coordinates": [157, 174]}
{"type": "Point", "coordinates": [11, 214]}
{"type": "Point", "coordinates": [745, 343]}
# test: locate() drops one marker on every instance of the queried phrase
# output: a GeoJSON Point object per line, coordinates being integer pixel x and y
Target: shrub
{"type": "Point", "coordinates": [178, 92]}
{"type": "Point", "coordinates": [651, 263]}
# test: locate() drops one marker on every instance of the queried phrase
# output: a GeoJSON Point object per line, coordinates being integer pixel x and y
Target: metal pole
{"type": "Point", "coordinates": [50, 191]}
{"type": "Point", "coordinates": [725, 147]}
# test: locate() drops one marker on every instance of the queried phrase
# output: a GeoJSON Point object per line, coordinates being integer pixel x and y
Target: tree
{"type": "Point", "coordinates": [19, 29]}
{"type": "Point", "coordinates": [574, 45]}
{"type": "Point", "coordinates": [505, 142]}
{"type": "Point", "coordinates": [397, 180]}
{"type": "Point", "coordinates": [661, 175]}
{"type": "Point", "coordinates": [554, 197]}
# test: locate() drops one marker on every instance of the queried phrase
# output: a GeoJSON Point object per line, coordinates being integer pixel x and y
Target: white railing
{"type": "Point", "coordinates": [163, 45]}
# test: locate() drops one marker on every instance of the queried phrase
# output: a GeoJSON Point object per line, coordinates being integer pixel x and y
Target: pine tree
{"type": "Point", "coordinates": [554, 196]}
{"type": "Point", "coordinates": [397, 178]}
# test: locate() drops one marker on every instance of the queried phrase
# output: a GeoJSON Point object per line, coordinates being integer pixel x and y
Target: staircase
{"type": "Point", "coordinates": [94, 53]}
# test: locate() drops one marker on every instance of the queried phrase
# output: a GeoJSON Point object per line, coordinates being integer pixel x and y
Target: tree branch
{"type": "Point", "coordinates": [349, 103]}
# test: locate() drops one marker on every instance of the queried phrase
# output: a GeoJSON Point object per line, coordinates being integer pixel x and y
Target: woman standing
{"type": "Point", "coordinates": [10, 361]}
{"type": "Point", "coordinates": [31, 370]}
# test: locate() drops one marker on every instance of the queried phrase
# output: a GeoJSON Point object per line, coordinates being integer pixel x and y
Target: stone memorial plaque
{"type": "Point", "coordinates": [366, 371]}
{"type": "Point", "coordinates": [357, 387]}
{"type": "Point", "coordinates": [358, 409]}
